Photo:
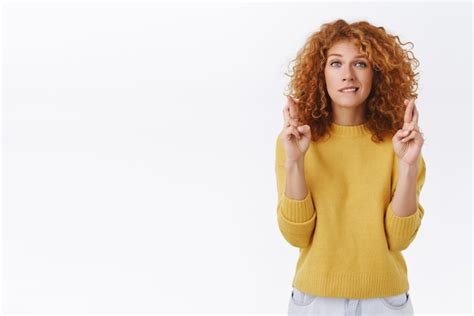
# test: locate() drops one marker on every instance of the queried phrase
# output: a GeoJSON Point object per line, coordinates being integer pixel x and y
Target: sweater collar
{"type": "Point", "coordinates": [349, 130]}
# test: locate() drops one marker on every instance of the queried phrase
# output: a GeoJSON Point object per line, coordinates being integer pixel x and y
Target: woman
{"type": "Point", "coordinates": [350, 170]}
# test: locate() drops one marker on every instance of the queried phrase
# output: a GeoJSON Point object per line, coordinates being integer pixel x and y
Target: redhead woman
{"type": "Point", "coordinates": [349, 171]}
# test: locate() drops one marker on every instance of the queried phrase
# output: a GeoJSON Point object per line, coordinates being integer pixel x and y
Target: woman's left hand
{"type": "Point", "coordinates": [407, 142]}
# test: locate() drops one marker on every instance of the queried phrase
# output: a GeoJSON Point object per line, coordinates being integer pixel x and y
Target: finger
{"type": "Point", "coordinates": [410, 136]}
{"type": "Point", "coordinates": [288, 133]}
{"type": "Point", "coordinates": [286, 115]}
{"type": "Point", "coordinates": [293, 108]}
{"type": "Point", "coordinates": [411, 126]}
{"type": "Point", "coordinates": [291, 131]}
{"type": "Point", "coordinates": [401, 133]}
{"type": "Point", "coordinates": [295, 132]}
{"type": "Point", "coordinates": [288, 120]}
{"type": "Point", "coordinates": [408, 111]}
{"type": "Point", "coordinates": [295, 122]}
{"type": "Point", "coordinates": [415, 115]}
{"type": "Point", "coordinates": [304, 129]}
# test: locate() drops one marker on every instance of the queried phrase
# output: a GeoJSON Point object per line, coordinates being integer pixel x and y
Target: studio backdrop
{"type": "Point", "coordinates": [138, 149]}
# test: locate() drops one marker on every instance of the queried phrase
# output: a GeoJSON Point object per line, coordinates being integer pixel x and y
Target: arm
{"type": "Point", "coordinates": [404, 200]}
{"type": "Point", "coordinates": [404, 212]}
{"type": "Point", "coordinates": [296, 214]}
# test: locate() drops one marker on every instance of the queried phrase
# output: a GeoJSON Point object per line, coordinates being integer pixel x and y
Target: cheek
{"type": "Point", "coordinates": [369, 78]}
{"type": "Point", "coordinates": [329, 78]}
{"type": "Point", "coordinates": [368, 82]}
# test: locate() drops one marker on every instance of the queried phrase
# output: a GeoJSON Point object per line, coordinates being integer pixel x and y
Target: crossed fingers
{"type": "Point", "coordinates": [410, 120]}
{"type": "Point", "coordinates": [290, 113]}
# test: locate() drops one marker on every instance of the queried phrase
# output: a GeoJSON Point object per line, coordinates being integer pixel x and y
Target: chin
{"type": "Point", "coordinates": [346, 104]}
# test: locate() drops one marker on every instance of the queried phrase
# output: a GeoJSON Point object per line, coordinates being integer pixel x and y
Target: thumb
{"type": "Point", "coordinates": [400, 134]}
{"type": "Point", "coordinates": [304, 129]}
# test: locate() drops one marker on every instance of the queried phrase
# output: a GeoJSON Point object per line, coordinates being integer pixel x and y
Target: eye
{"type": "Point", "coordinates": [361, 63]}
{"type": "Point", "coordinates": [335, 62]}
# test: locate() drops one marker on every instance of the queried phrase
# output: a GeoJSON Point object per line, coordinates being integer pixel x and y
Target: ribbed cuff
{"type": "Point", "coordinates": [297, 211]}
{"type": "Point", "coordinates": [402, 226]}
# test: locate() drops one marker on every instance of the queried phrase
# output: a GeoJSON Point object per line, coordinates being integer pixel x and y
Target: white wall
{"type": "Point", "coordinates": [138, 153]}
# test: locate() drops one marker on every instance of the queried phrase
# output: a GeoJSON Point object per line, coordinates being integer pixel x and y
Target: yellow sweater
{"type": "Point", "coordinates": [349, 238]}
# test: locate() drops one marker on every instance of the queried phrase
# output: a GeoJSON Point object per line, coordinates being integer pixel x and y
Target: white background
{"type": "Point", "coordinates": [138, 144]}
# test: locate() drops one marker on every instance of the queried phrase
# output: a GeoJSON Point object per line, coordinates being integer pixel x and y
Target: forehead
{"type": "Point", "coordinates": [345, 48]}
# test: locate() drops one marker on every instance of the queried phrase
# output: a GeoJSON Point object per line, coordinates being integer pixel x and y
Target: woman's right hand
{"type": "Point", "coordinates": [296, 137]}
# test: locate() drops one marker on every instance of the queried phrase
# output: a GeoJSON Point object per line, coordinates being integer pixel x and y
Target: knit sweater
{"type": "Point", "coordinates": [349, 238]}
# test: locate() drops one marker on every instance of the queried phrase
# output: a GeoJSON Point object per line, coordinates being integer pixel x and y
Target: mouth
{"type": "Point", "coordinates": [349, 90]}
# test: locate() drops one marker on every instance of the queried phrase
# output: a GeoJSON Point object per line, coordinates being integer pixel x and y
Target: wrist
{"type": "Point", "coordinates": [406, 168]}
{"type": "Point", "coordinates": [294, 163]}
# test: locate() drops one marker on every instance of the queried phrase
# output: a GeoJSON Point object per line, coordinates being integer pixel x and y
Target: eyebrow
{"type": "Point", "coordinates": [358, 56]}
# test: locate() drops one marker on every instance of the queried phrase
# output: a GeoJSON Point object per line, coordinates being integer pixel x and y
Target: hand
{"type": "Point", "coordinates": [407, 142]}
{"type": "Point", "coordinates": [296, 136]}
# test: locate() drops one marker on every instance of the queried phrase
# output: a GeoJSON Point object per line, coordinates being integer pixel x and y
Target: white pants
{"type": "Point", "coordinates": [306, 304]}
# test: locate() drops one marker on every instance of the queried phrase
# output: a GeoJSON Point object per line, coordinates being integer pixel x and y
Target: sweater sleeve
{"type": "Point", "coordinates": [296, 218]}
{"type": "Point", "coordinates": [401, 231]}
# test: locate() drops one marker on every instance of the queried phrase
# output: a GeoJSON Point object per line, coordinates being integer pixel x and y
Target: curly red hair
{"type": "Point", "coordinates": [394, 77]}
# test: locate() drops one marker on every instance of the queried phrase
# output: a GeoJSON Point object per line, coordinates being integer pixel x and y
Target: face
{"type": "Point", "coordinates": [347, 67]}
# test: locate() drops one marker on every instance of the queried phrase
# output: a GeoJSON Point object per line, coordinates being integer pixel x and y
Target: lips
{"type": "Point", "coordinates": [351, 89]}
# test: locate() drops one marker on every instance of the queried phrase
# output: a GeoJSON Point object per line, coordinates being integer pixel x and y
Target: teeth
{"type": "Point", "coordinates": [347, 90]}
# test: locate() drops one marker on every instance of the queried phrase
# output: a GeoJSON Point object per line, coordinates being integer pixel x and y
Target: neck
{"type": "Point", "coordinates": [348, 116]}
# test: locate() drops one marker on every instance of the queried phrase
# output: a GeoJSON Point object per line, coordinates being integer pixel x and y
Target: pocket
{"type": "Point", "coordinates": [300, 298]}
{"type": "Point", "coordinates": [396, 302]}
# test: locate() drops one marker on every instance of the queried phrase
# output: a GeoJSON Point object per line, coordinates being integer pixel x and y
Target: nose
{"type": "Point", "coordinates": [348, 75]}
